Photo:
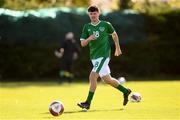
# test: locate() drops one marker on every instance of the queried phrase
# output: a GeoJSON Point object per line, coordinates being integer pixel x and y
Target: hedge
{"type": "Point", "coordinates": [150, 45]}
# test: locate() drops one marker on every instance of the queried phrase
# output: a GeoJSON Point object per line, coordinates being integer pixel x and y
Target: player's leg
{"type": "Point", "coordinates": [93, 83]}
{"type": "Point", "coordinates": [113, 82]}
{"type": "Point", "coordinates": [105, 75]}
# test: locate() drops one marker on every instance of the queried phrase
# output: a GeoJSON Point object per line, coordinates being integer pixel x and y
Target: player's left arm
{"type": "Point", "coordinates": [117, 46]}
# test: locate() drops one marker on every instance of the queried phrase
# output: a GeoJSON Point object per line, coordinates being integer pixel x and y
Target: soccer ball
{"type": "Point", "coordinates": [136, 97]}
{"type": "Point", "coordinates": [122, 80]}
{"type": "Point", "coordinates": [56, 108]}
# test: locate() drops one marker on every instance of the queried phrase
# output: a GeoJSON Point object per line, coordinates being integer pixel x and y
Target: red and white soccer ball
{"type": "Point", "coordinates": [56, 108]}
{"type": "Point", "coordinates": [135, 97]}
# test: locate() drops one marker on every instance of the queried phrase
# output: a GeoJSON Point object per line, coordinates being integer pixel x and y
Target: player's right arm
{"type": "Point", "coordinates": [85, 42]}
{"type": "Point", "coordinates": [85, 37]}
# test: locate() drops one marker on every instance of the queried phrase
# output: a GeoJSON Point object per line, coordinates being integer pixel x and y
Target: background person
{"type": "Point", "coordinates": [68, 52]}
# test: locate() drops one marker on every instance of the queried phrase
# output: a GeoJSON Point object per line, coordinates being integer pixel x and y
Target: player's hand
{"type": "Point", "coordinates": [118, 52]}
{"type": "Point", "coordinates": [86, 42]}
{"type": "Point", "coordinates": [92, 37]}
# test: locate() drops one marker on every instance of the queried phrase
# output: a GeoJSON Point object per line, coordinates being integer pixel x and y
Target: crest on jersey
{"type": "Point", "coordinates": [101, 29]}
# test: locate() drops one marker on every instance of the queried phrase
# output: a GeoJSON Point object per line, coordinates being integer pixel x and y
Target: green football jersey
{"type": "Point", "coordinates": [100, 47]}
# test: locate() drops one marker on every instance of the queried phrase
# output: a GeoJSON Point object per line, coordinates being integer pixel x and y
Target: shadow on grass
{"type": "Point", "coordinates": [86, 111]}
{"type": "Point", "coordinates": [71, 112]}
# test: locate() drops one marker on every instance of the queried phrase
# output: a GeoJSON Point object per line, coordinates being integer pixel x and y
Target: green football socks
{"type": "Point", "coordinates": [122, 88]}
{"type": "Point", "coordinates": [90, 97]}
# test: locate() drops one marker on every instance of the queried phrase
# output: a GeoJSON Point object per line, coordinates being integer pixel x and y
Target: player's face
{"type": "Point", "coordinates": [94, 16]}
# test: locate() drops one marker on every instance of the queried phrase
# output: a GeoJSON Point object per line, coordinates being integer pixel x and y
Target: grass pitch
{"type": "Point", "coordinates": [30, 101]}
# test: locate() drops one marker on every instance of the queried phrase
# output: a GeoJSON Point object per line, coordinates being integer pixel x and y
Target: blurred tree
{"type": "Point", "coordinates": [125, 4]}
{"type": "Point", "coordinates": [2, 2]}
{"type": "Point", "coordinates": [156, 7]}
{"type": "Point", "coordinates": [34, 4]}
{"type": "Point", "coordinates": [81, 2]}
{"type": "Point", "coordinates": [106, 5]}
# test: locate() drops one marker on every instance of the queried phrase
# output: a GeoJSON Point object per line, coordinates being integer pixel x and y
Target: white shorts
{"type": "Point", "coordinates": [100, 66]}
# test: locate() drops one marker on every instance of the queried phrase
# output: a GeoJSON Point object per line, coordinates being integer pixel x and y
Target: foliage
{"type": "Point", "coordinates": [2, 2]}
{"type": "Point", "coordinates": [125, 4]}
{"type": "Point", "coordinates": [35, 4]}
{"type": "Point", "coordinates": [146, 6]}
{"type": "Point", "coordinates": [153, 7]}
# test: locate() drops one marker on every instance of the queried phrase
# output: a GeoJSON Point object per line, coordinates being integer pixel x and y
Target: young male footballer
{"type": "Point", "coordinates": [95, 34]}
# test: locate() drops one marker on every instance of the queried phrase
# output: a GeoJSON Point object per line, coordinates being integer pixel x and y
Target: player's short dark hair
{"type": "Point", "coordinates": [93, 8]}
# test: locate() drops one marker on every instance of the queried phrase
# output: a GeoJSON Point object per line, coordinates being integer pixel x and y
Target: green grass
{"type": "Point", "coordinates": [30, 101]}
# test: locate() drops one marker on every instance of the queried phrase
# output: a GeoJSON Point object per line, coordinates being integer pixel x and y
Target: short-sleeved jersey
{"type": "Point", "coordinates": [100, 47]}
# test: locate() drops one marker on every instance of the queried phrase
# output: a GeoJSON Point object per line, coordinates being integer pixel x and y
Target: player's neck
{"type": "Point", "coordinates": [95, 22]}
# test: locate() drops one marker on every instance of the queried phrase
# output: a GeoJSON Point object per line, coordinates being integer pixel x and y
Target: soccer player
{"type": "Point", "coordinates": [95, 34]}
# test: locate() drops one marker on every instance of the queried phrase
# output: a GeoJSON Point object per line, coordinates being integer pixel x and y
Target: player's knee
{"type": "Point", "coordinates": [107, 81]}
{"type": "Point", "coordinates": [93, 76]}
